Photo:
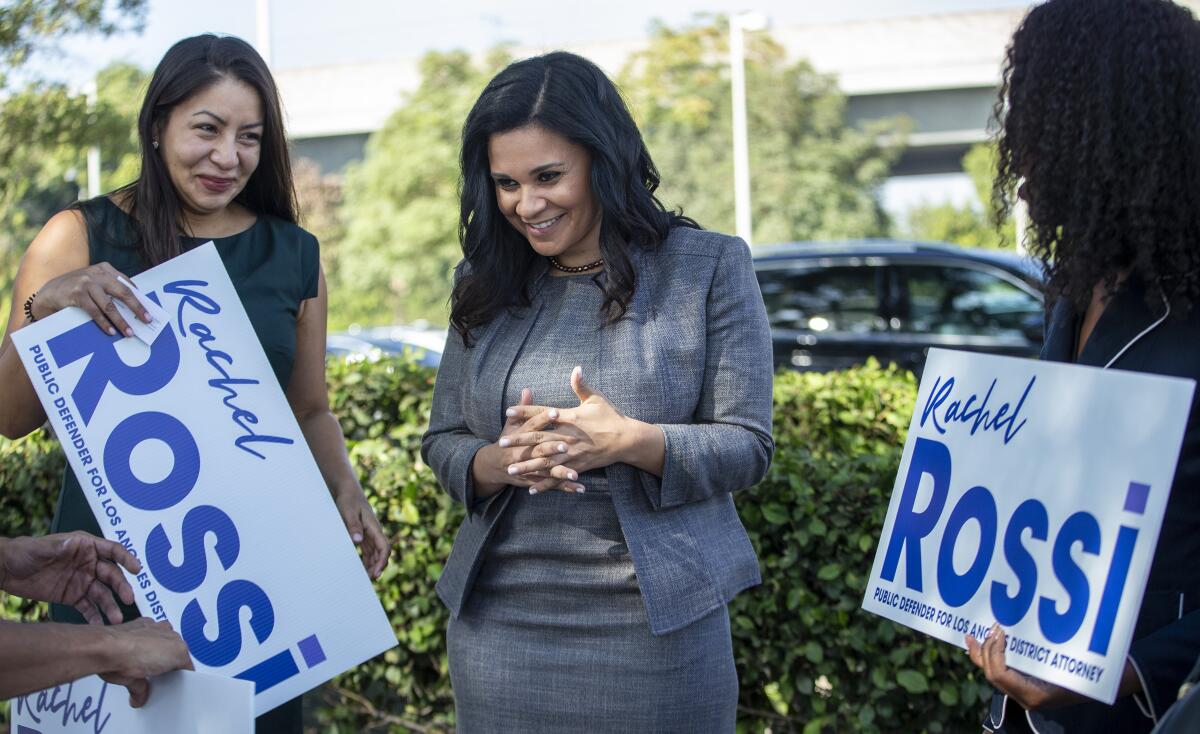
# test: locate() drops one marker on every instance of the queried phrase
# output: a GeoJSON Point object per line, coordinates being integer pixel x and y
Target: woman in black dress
{"type": "Point", "coordinates": [214, 167]}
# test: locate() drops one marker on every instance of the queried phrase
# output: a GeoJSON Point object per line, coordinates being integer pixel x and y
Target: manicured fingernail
{"type": "Point", "coordinates": [552, 414]}
{"type": "Point", "coordinates": [510, 412]}
{"type": "Point", "coordinates": [579, 490]}
{"type": "Point", "coordinates": [357, 537]}
{"type": "Point", "coordinates": [532, 490]}
{"type": "Point", "coordinates": [562, 447]}
{"type": "Point", "coordinates": [128, 332]}
{"type": "Point", "coordinates": [504, 443]}
{"type": "Point", "coordinates": [146, 317]}
{"type": "Point", "coordinates": [512, 470]}
{"type": "Point", "coordinates": [111, 331]}
{"type": "Point", "coordinates": [572, 476]}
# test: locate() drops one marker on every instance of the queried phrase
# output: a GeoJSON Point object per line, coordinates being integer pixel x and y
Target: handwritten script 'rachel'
{"type": "Point", "coordinates": [190, 295]}
{"type": "Point", "coordinates": [57, 701]}
{"type": "Point", "coordinates": [977, 415]}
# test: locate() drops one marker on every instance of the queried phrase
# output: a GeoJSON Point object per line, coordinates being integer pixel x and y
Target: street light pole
{"type": "Point", "coordinates": [738, 25]}
{"type": "Point", "coordinates": [1021, 220]}
{"type": "Point", "coordinates": [93, 154]}
{"type": "Point", "coordinates": [262, 29]}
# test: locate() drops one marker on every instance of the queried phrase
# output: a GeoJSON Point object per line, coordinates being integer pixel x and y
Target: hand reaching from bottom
{"type": "Point", "coordinates": [140, 649]}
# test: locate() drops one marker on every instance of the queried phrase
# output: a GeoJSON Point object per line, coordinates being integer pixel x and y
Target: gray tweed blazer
{"type": "Point", "coordinates": [694, 350]}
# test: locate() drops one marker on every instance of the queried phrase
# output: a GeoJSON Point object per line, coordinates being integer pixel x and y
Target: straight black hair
{"type": "Point", "coordinates": [189, 67]}
{"type": "Point", "coordinates": [568, 95]}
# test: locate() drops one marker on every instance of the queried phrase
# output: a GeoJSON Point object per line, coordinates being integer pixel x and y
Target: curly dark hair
{"type": "Point", "coordinates": [1099, 127]}
{"type": "Point", "coordinates": [571, 96]}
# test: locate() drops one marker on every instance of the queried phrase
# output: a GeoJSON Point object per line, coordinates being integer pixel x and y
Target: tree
{"type": "Point", "coordinates": [401, 202]}
{"type": "Point", "coordinates": [969, 225]}
{"type": "Point", "coordinates": [45, 127]}
{"type": "Point", "coordinates": [45, 132]}
{"type": "Point", "coordinates": [812, 176]}
{"type": "Point", "coordinates": [320, 202]}
{"type": "Point", "coordinates": [27, 26]}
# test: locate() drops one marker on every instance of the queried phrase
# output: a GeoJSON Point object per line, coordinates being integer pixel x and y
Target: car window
{"type": "Point", "coordinates": [962, 301]}
{"type": "Point", "coordinates": [839, 298]}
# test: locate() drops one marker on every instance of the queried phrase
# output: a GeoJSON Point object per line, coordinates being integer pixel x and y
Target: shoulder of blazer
{"type": "Point", "coordinates": [699, 243]}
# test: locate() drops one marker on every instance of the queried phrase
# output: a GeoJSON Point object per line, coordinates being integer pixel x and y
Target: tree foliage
{"type": "Point", "coordinates": [969, 225]}
{"type": "Point", "coordinates": [27, 26]}
{"type": "Point", "coordinates": [812, 175]}
{"type": "Point", "coordinates": [45, 128]}
{"type": "Point", "coordinates": [401, 201]}
{"type": "Point", "coordinates": [45, 133]}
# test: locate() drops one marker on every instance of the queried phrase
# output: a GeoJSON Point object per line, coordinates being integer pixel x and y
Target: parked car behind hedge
{"type": "Point", "coordinates": [809, 659]}
{"type": "Point", "coordinates": [833, 305]}
{"type": "Point", "coordinates": [425, 344]}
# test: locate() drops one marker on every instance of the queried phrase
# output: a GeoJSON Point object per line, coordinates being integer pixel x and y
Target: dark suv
{"type": "Point", "coordinates": [833, 305]}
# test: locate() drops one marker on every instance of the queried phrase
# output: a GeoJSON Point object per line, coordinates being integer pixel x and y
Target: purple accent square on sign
{"type": "Point", "coordinates": [1135, 499]}
{"type": "Point", "coordinates": [310, 648]}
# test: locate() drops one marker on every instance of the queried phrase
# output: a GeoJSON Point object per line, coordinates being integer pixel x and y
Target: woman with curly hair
{"type": "Point", "coordinates": [1100, 135]}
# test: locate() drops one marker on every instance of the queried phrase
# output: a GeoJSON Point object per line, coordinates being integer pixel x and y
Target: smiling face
{"type": "Point", "coordinates": [544, 189]}
{"type": "Point", "coordinates": [211, 144]}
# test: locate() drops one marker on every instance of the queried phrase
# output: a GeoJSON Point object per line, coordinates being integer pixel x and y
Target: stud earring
{"type": "Point", "coordinates": [154, 143]}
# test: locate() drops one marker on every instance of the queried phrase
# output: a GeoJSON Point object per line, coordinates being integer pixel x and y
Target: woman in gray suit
{"type": "Point", "coordinates": [605, 389]}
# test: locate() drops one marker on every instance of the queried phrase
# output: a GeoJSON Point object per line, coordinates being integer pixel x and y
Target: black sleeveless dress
{"type": "Point", "coordinates": [274, 267]}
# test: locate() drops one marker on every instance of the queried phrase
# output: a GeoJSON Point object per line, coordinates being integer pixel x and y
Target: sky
{"type": "Point", "coordinates": [320, 32]}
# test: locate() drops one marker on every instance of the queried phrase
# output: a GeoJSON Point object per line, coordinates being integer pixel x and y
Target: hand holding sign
{"type": "Point", "coordinates": [140, 649]}
{"type": "Point", "coordinates": [77, 569]}
{"type": "Point", "coordinates": [95, 289]}
{"type": "Point", "coordinates": [1030, 495]}
{"type": "Point", "coordinates": [190, 455]}
{"type": "Point", "coordinates": [1031, 693]}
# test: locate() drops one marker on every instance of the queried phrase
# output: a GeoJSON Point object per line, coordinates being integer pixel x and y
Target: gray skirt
{"type": "Point", "coordinates": [554, 636]}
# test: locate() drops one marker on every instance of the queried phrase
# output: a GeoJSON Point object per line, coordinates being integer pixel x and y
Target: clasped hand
{"type": "Point", "coordinates": [548, 448]}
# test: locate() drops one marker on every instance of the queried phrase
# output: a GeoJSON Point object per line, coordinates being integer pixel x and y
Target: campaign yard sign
{"type": "Point", "coordinates": [182, 702]}
{"type": "Point", "coordinates": [1031, 494]}
{"type": "Point", "coordinates": [190, 457]}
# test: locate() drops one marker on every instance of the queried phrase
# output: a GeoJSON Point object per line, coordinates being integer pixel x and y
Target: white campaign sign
{"type": "Point", "coordinates": [1031, 494]}
{"type": "Point", "coordinates": [190, 456]}
{"type": "Point", "coordinates": [182, 702]}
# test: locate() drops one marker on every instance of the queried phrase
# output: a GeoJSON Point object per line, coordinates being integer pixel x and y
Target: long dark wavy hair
{"type": "Point", "coordinates": [571, 96]}
{"type": "Point", "coordinates": [1099, 122]}
{"type": "Point", "coordinates": [188, 67]}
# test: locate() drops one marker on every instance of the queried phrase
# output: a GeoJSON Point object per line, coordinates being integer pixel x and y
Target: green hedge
{"type": "Point", "coordinates": [809, 659]}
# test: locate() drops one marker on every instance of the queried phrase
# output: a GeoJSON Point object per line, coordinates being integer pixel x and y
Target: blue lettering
{"type": "Point", "coordinates": [197, 524]}
{"type": "Point", "coordinates": [188, 296]}
{"type": "Point", "coordinates": [106, 367]}
{"type": "Point", "coordinates": [976, 504]}
{"type": "Point", "coordinates": [967, 412]}
{"type": "Point", "coordinates": [271, 672]}
{"type": "Point", "coordinates": [221, 362]}
{"type": "Point", "coordinates": [937, 396]}
{"type": "Point", "coordinates": [1079, 528]}
{"type": "Point", "coordinates": [228, 644]}
{"type": "Point", "coordinates": [1114, 586]}
{"type": "Point", "coordinates": [932, 458]}
{"type": "Point", "coordinates": [1030, 515]}
{"type": "Point", "coordinates": [167, 492]}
